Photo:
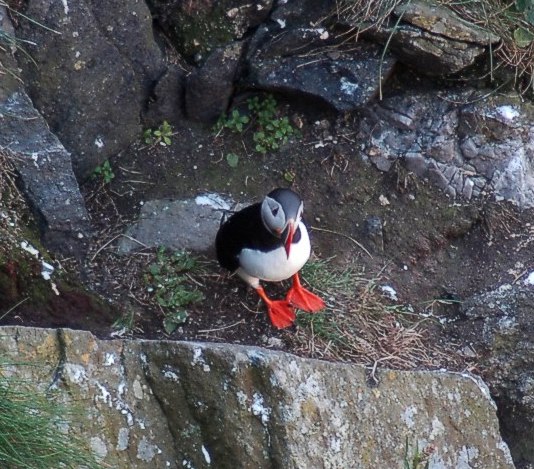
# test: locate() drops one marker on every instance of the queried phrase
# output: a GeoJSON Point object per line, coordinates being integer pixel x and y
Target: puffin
{"type": "Point", "coordinates": [268, 241]}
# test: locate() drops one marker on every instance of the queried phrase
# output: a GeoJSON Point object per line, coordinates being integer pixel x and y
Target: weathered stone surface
{"type": "Point", "coordinates": [462, 148]}
{"type": "Point", "coordinates": [167, 102]}
{"type": "Point", "coordinates": [90, 79]}
{"type": "Point", "coordinates": [177, 224]}
{"type": "Point", "coordinates": [437, 19]}
{"type": "Point", "coordinates": [46, 173]}
{"type": "Point", "coordinates": [346, 80]}
{"type": "Point", "coordinates": [302, 12]}
{"type": "Point", "coordinates": [210, 87]}
{"type": "Point", "coordinates": [433, 39]}
{"type": "Point", "coordinates": [9, 82]}
{"type": "Point", "coordinates": [499, 325]}
{"type": "Point", "coordinates": [374, 230]}
{"type": "Point", "coordinates": [176, 404]}
{"type": "Point", "coordinates": [197, 28]}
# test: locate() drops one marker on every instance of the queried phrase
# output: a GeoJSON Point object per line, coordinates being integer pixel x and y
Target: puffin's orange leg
{"type": "Point", "coordinates": [280, 312]}
{"type": "Point", "coordinates": [303, 299]}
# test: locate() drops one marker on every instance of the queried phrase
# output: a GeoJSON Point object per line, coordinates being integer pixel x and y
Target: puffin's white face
{"type": "Point", "coordinates": [275, 218]}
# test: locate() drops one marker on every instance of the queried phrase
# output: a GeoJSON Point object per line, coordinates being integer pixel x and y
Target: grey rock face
{"type": "Point", "coordinates": [345, 80]}
{"type": "Point", "coordinates": [433, 39]}
{"type": "Point", "coordinates": [197, 28]}
{"type": "Point", "coordinates": [171, 404]}
{"type": "Point", "coordinates": [168, 101]}
{"type": "Point", "coordinates": [500, 329]}
{"type": "Point", "coordinates": [46, 172]}
{"type": "Point", "coordinates": [9, 82]}
{"type": "Point", "coordinates": [91, 80]}
{"type": "Point", "coordinates": [374, 230]}
{"type": "Point", "coordinates": [177, 224]}
{"type": "Point", "coordinates": [302, 12]}
{"type": "Point", "coordinates": [210, 87]}
{"type": "Point", "coordinates": [464, 149]}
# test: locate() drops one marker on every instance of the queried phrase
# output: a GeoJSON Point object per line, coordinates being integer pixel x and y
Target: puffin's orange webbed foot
{"type": "Point", "coordinates": [280, 312]}
{"type": "Point", "coordinates": [303, 299]}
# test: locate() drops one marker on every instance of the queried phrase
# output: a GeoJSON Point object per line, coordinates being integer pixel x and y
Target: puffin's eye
{"type": "Point", "coordinates": [274, 211]}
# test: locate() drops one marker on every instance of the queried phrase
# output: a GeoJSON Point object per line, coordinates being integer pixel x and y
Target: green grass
{"type": "Point", "coordinates": [32, 429]}
{"type": "Point", "coordinates": [415, 459]}
{"type": "Point", "coordinates": [335, 286]}
{"type": "Point", "coordinates": [359, 324]}
{"type": "Point", "coordinates": [321, 275]}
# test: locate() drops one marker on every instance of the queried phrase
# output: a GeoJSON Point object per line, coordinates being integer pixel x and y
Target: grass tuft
{"type": "Point", "coordinates": [516, 30]}
{"type": "Point", "coordinates": [33, 429]}
{"type": "Point", "coordinates": [360, 325]}
{"type": "Point", "coordinates": [512, 21]}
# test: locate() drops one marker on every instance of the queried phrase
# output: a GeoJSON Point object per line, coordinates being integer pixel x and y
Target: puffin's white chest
{"type": "Point", "coordinates": [274, 266]}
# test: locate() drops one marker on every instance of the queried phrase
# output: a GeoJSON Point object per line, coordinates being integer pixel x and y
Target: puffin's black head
{"type": "Point", "coordinates": [281, 211]}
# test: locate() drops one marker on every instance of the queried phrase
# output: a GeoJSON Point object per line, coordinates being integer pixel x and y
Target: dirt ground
{"type": "Point", "coordinates": [436, 251]}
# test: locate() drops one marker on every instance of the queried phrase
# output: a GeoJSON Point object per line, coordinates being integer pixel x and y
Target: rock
{"type": "Point", "coordinates": [197, 28]}
{"type": "Point", "coordinates": [440, 20]}
{"type": "Point", "coordinates": [46, 173]}
{"type": "Point", "coordinates": [91, 79]}
{"type": "Point", "coordinates": [177, 224]}
{"type": "Point", "coordinates": [9, 82]}
{"type": "Point", "coordinates": [498, 324]}
{"type": "Point", "coordinates": [462, 148]}
{"type": "Point", "coordinates": [374, 231]}
{"type": "Point", "coordinates": [167, 102]}
{"type": "Point", "coordinates": [210, 87]}
{"type": "Point", "coordinates": [344, 79]}
{"type": "Point", "coordinates": [304, 13]}
{"type": "Point", "coordinates": [433, 39]}
{"type": "Point", "coordinates": [163, 404]}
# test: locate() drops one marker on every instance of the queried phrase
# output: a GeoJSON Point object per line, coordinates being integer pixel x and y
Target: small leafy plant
{"type": "Point", "coordinates": [232, 159]}
{"type": "Point", "coordinates": [235, 122]}
{"type": "Point", "coordinates": [270, 131]}
{"type": "Point", "coordinates": [167, 279]}
{"type": "Point", "coordinates": [104, 171]}
{"type": "Point", "coordinates": [161, 135]}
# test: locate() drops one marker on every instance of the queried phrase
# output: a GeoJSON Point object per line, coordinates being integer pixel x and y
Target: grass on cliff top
{"type": "Point", "coordinates": [361, 325]}
{"type": "Point", "coordinates": [33, 428]}
{"type": "Point", "coordinates": [512, 21]}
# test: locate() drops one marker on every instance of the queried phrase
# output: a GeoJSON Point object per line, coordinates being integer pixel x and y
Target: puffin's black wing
{"type": "Point", "coordinates": [244, 229]}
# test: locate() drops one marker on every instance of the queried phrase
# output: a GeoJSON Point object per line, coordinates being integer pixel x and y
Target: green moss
{"type": "Point", "coordinates": [200, 32]}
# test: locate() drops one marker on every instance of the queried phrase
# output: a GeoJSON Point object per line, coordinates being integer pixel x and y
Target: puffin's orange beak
{"type": "Point", "coordinates": [289, 240]}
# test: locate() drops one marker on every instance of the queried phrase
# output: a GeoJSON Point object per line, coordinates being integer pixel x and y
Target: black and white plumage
{"type": "Point", "coordinates": [268, 241]}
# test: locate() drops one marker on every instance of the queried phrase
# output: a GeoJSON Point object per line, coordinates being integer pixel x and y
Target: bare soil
{"type": "Point", "coordinates": [436, 251]}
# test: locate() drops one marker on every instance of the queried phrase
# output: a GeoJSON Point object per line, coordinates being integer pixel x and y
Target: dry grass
{"type": "Point", "coordinates": [361, 326]}
{"type": "Point", "coordinates": [365, 15]}
{"type": "Point", "coordinates": [8, 188]}
{"type": "Point", "coordinates": [494, 15]}
{"type": "Point", "coordinates": [500, 18]}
